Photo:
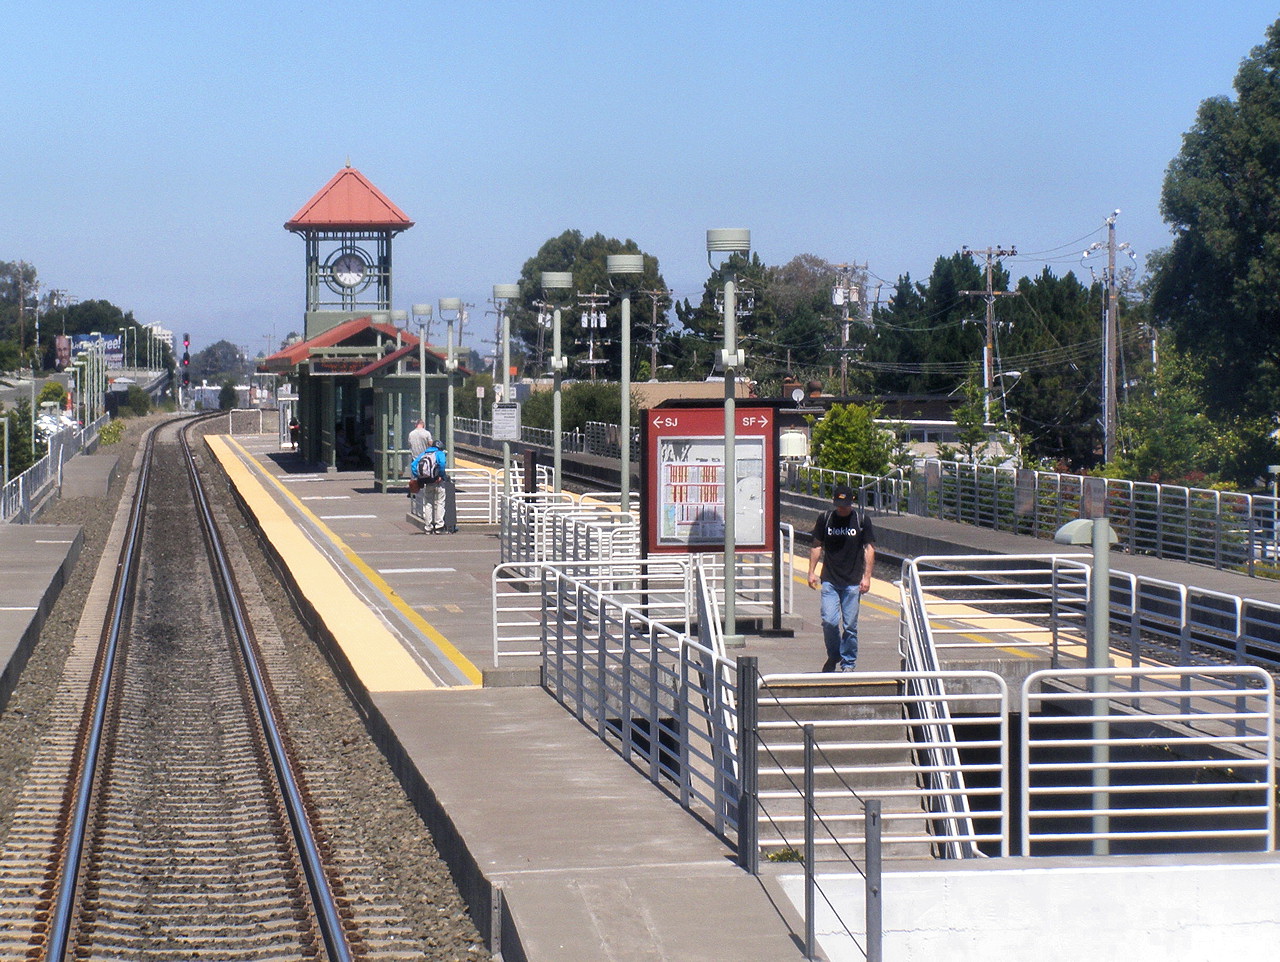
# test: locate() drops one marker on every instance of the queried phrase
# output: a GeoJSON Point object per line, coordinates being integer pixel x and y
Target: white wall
{"type": "Point", "coordinates": [1121, 909]}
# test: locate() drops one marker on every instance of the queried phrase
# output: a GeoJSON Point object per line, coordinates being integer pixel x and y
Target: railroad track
{"type": "Point", "coordinates": [164, 817]}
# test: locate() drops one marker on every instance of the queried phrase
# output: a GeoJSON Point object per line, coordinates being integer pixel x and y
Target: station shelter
{"type": "Point", "coordinates": [358, 387]}
{"type": "Point", "coordinates": [356, 376]}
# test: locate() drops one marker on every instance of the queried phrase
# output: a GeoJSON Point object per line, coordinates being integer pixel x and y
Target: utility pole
{"type": "Point", "coordinates": [990, 295]}
{"type": "Point", "coordinates": [654, 297]}
{"type": "Point", "coordinates": [850, 287]}
{"type": "Point", "coordinates": [1110, 337]}
{"type": "Point", "coordinates": [593, 318]}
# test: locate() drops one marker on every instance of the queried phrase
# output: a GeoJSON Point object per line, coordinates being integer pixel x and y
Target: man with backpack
{"type": "Point", "coordinates": [428, 470]}
{"type": "Point", "coordinates": [844, 542]}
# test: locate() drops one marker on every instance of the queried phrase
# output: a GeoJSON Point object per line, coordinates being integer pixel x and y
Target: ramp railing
{"type": "Point", "coordinates": [1116, 759]}
{"type": "Point", "coordinates": [658, 588]}
{"type": "Point", "coordinates": [664, 701]}
{"type": "Point", "coordinates": [928, 704]}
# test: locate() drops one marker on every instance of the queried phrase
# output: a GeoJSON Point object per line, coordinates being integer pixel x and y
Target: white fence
{"type": "Point", "coordinates": [1222, 529]}
{"type": "Point", "coordinates": [21, 495]}
{"type": "Point", "coordinates": [1119, 758]}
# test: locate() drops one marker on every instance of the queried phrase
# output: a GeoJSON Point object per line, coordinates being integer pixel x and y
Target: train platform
{"type": "Point", "coordinates": [35, 562]}
{"type": "Point", "coordinates": [591, 859]}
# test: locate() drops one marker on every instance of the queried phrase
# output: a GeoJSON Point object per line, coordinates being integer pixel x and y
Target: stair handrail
{"type": "Point", "coordinates": [930, 705]}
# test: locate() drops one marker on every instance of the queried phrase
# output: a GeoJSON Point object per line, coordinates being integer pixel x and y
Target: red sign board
{"type": "Point", "coordinates": [684, 458]}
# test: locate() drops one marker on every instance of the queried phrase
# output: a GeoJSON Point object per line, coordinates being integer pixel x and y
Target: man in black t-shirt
{"type": "Point", "coordinates": [844, 542]}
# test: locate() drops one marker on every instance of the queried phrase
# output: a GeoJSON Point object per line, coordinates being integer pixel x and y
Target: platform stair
{"type": "Point", "coordinates": [864, 751]}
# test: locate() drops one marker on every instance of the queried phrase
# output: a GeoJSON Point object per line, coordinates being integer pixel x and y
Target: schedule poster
{"type": "Point", "coordinates": [691, 491]}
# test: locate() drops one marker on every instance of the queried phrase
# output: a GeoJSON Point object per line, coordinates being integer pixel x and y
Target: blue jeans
{"type": "Point", "coordinates": [840, 622]}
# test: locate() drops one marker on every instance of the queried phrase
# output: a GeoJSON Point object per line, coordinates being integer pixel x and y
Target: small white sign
{"type": "Point", "coordinates": [506, 421]}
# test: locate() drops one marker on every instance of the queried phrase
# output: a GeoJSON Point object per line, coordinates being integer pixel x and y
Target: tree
{"type": "Point", "coordinates": [220, 361]}
{"type": "Point", "coordinates": [581, 402]}
{"type": "Point", "coordinates": [1166, 434]}
{"type": "Point", "coordinates": [1217, 287]}
{"type": "Point", "coordinates": [848, 439]}
{"type": "Point", "coordinates": [20, 454]}
{"type": "Point", "coordinates": [54, 391]}
{"type": "Point", "coordinates": [137, 401]}
{"type": "Point", "coordinates": [585, 257]}
{"type": "Point", "coordinates": [227, 396]}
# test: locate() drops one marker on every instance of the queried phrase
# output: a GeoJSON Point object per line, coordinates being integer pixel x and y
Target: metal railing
{"type": "Point", "coordinates": [890, 494]}
{"type": "Point", "coordinates": [658, 588]}
{"type": "Point", "coordinates": [890, 737]}
{"type": "Point", "coordinates": [22, 495]}
{"type": "Point", "coordinates": [1222, 529]}
{"type": "Point", "coordinates": [662, 699]}
{"type": "Point", "coordinates": [930, 705]}
{"type": "Point", "coordinates": [1115, 759]}
{"type": "Point", "coordinates": [1039, 603]}
{"type": "Point", "coordinates": [563, 527]}
{"type": "Point", "coordinates": [954, 604]}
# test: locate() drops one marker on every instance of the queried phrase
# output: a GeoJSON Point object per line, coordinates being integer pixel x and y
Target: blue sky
{"type": "Point", "coordinates": [153, 152]}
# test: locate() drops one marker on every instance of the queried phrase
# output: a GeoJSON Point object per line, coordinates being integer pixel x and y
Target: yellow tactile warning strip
{"type": "Point", "coordinates": [378, 657]}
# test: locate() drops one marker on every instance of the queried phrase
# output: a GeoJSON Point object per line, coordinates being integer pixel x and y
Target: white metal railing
{"type": "Point", "coordinates": [563, 527]}
{"type": "Point", "coordinates": [663, 700]}
{"type": "Point", "coordinates": [23, 493]}
{"type": "Point", "coordinates": [1118, 758]}
{"type": "Point", "coordinates": [918, 646]}
{"type": "Point", "coordinates": [959, 602]}
{"type": "Point", "coordinates": [1039, 602]}
{"type": "Point", "coordinates": [659, 588]}
{"type": "Point", "coordinates": [881, 739]}
{"type": "Point", "coordinates": [890, 493]}
{"type": "Point", "coordinates": [475, 496]}
{"type": "Point", "coordinates": [1223, 529]}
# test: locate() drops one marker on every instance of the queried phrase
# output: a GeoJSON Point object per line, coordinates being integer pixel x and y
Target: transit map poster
{"type": "Point", "coordinates": [684, 503]}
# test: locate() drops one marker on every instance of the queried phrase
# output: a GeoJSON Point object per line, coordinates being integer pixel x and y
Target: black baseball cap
{"type": "Point", "coordinates": [843, 494]}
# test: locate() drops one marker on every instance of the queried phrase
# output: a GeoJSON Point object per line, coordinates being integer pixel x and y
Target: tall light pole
{"type": "Point", "coordinates": [730, 240]}
{"type": "Point", "coordinates": [454, 306]}
{"type": "Point", "coordinates": [502, 293]}
{"type": "Point", "coordinates": [422, 315]}
{"type": "Point", "coordinates": [624, 265]}
{"type": "Point", "coordinates": [553, 281]}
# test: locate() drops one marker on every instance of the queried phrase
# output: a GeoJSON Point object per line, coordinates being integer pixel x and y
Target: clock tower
{"type": "Point", "coordinates": [347, 226]}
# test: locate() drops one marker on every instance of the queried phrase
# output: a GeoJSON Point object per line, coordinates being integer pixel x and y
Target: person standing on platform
{"type": "Point", "coordinates": [428, 468]}
{"type": "Point", "coordinates": [419, 440]}
{"type": "Point", "coordinates": [844, 543]}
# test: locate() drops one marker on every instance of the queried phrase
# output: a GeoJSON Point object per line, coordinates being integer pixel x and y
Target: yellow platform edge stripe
{"type": "Point", "coordinates": [377, 656]}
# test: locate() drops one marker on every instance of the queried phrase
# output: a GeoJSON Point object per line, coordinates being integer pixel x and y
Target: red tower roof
{"type": "Point", "coordinates": [348, 201]}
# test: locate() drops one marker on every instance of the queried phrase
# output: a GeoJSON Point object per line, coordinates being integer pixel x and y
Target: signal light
{"type": "Point", "coordinates": [186, 341]}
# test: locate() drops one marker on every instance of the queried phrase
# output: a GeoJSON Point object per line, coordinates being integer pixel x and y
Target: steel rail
{"type": "Point", "coordinates": [332, 930]}
{"type": "Point", "coordinates": [60, 919]}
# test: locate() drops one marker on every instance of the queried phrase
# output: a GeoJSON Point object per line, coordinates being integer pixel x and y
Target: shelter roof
{"type": "Point", "coordinates": [359, 331]}
{"type": "Point", "coordinates": [349, 201]}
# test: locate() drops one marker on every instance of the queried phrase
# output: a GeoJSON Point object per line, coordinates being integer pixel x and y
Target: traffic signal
{"type": "Point", "coordinates": [186, 360]}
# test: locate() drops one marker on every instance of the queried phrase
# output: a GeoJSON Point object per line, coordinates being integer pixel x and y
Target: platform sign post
{"type": "Point", "coordinates": [683, 503]}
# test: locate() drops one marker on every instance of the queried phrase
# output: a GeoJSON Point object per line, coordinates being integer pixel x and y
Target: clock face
{"type": "Point", "coordinates": [349, 269]}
